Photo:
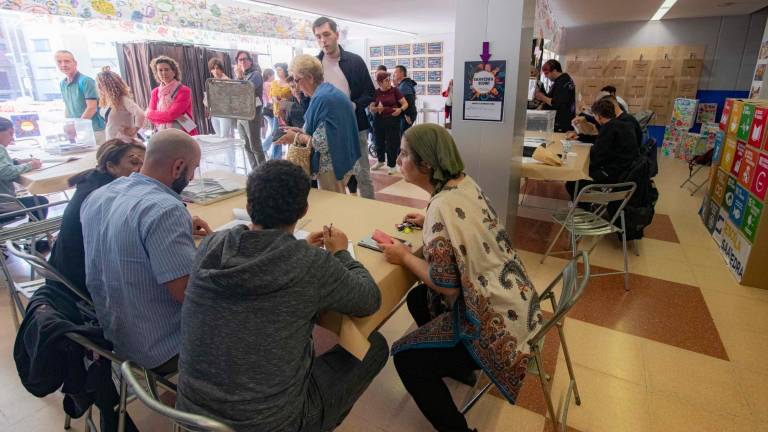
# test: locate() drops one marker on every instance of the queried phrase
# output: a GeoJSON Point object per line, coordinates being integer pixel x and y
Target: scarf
{"type": "Point", "coordinates": [435, 145]}
{"type": "Point", "coordinates": [333, 108]}
{"type": "Point", "coordinates": [164, 95]}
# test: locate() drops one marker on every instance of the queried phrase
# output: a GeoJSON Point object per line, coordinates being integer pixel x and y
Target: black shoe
{"type": "Point", "coordinates": [42, 246]}
{"type": "Point", "coordinates": [468, 377]}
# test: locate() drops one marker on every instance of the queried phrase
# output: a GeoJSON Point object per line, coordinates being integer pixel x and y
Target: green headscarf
{"type": "Point", "coordinates": [435, 145]}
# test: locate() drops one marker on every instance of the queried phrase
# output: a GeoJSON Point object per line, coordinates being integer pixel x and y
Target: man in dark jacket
{"type": "Point", "coordinates": [561, 96]}
{"type": "Point", "coordinates": [263, 290]}
{"type": "Point", "coordinates": [349, 73]}
{"type": "Point", "coordinates": [407, 87]}
{"type": "Point", "coordinates": [622, 116]}
{"type": "Point", "coordinates": [250, 130]}
{"type": "Point", "coordinates": [615, 150]}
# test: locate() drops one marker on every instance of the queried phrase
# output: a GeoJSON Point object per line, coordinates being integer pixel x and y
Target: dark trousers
{"type": "Point", "coordinates": [336, 382]}
{"type": "Point", "coordinates": [422, 372]}
{"type": "Point", "coordinates": [387, 132]}
{"type": "Point", "coordinates": [31, 201]}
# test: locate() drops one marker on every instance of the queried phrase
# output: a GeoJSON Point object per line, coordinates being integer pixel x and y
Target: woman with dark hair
{"type": "Point", "coordinates": [10, 170]}
{"type": "Point", "coordinates": [124, 117]}
{"type": "Point", "coordinates": [224, 127]}
{"type": "Point", "coordinates": [170, 106]}
{"type": "Point", "coordinates": [280, 95]}
{"type": "Point", "coordinates": [115, 158]}
{"type": "Point", "coordinates": [477, 307]}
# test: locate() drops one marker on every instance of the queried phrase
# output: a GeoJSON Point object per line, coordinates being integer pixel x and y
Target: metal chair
{"type": "Point", "coordinates": [594, 223]}
{"type": "Point", "coordinates": [570, 292]}
{"type": "Point", "coordinates": [696, 164]}
{"type": "Point", "coordinates": [149, 397]}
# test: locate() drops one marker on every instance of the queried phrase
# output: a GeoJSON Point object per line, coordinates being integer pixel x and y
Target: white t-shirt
{"type": "Point", "coordinates": [333, 74]}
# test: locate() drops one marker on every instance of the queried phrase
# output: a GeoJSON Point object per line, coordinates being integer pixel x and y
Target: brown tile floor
{"type": "Point", "coordinates": [684, 350]}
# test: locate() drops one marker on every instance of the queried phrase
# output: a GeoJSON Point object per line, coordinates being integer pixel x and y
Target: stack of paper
{"type": "Point", "coordinates": [206, 189]}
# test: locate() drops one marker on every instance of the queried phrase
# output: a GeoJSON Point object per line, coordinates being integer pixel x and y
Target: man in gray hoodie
{"type": "Point", "coordinates": [253, 299]}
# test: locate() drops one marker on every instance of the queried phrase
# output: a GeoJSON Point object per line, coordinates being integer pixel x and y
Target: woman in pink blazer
{"type": "Point", "coordinates": [170, 106]}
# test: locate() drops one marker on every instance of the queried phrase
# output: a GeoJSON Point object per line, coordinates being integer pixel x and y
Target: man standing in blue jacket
{"type": "Point", "coordinates": [349, 73]}
{"type": "Point", "coordinates": [407, 87]}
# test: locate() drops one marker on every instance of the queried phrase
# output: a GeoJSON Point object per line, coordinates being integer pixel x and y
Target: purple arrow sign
{"type": "Point", "coordinates": [486, 55]}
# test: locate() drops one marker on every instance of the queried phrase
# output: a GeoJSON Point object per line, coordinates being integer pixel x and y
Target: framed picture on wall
{"type": "Point", "coordinates": [435, 76]}
{"type": "Point", "coordinates": [374, 51]}
{"type": "Point", "coordinates": [419, 63]}
{"type": "Point", "coordinates": [435, 48]}
{"type": "Point", "coordinates": [404, 62]}
{"type": "Point", "coordinates": [435, 62]}
{"type": "Point", "coordinates": [420, 90]}
{"type": "Point", "coordinates": [390, 63]}
{"type": "Point", "coordinates": [419, 48]}
{"type": "Point", "coordinates": [404, 50]}
{"type": "Point", "coordinates": [419, 76]}
{"type": "Point", "coordinates": [375, 63]}
{"type": "Point", "coordinates": [389, 50]}
{"type": "Point", "coordinates": [434, 89]}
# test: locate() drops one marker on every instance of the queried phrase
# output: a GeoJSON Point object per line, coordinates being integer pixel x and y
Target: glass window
{"type": "Point", "coordinates": [5, 84]}
{"type": "Point", "coordinates": [41, 45]}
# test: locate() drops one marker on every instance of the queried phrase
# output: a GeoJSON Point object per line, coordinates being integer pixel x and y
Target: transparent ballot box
{"type": "Point", "coordinates": [540, 121]}
{"type": "Point", "coordinates": [218, 176]}
{"type": "Point", "coordinates": [67, 136]}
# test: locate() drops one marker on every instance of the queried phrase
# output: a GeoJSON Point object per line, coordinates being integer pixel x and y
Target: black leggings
{"type": "Point", "coordinates": [422, 372]}
{"type": "Point", "coordinates": [387, 139]}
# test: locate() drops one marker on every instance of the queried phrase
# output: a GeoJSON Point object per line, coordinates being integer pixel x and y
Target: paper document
{"type": "Point", "coordinates": [300, 234]}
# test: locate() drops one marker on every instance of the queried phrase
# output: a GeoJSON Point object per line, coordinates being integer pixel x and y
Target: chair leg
{"type": "Point", "coordinates": [545, 387]}
{"type": "Point", "coordinates": [123, 402]}
{"type": "Point", "coordinates": [67, 422]}
{"type": "Point", "coordinates": [552, 244]}
{"type": "Point", "coordinates": [624, 247]}
{"type": "Point", "coordinates": [568, 364]}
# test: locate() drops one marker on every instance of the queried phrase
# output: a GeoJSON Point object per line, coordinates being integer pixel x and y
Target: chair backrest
{"type": "Point", "coordinates": [46, 270]}
{"type": "Point", "coordinates": [188, 421]}
{"type": "Point", "coordinates": [603, 195]}
{"type": "Point", "coordinates": [572, 288]}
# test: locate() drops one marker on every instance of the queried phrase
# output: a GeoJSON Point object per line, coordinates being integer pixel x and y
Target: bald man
{"type": "Point", "coordinates": [139, 252]}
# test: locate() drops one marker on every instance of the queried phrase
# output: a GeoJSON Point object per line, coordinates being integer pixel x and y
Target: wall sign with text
{"type": "Point", "coordinates": [484, 90]}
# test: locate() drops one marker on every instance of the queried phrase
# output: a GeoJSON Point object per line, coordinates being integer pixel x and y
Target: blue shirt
{"type": "Point", "coordinates": [137, 236]}
{"type": "Point", "coordinates": [75, 94]}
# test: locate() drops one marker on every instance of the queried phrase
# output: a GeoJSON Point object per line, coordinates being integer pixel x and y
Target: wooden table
{"type": "Point", "coordinates": [54, 179]}
{"type": "Point", "coordinates": [357, 217]}
{"type": "Point", "coordinates": [573, 169]}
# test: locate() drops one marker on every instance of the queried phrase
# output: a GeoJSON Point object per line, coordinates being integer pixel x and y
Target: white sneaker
{"type": "Point", "coordinates": [392, 171]}
{"type": "Point", "coordinates": [377, 166]}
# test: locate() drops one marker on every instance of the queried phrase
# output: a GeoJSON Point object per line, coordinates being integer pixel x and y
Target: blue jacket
{"type": "Point", "coordinates": [360, 84]}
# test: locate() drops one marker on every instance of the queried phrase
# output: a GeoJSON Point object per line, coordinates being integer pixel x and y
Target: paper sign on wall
{"type": "Point", "coordinates": [594, 68]}
{"type": "Point", "coordinates": [484, 90]}
{"type": "Point", "coordinates": [640, 69]}
{"type": "Point", "coordinates": [616, 68]}
{"type": "Point", "coordinates": [692, 68]}
{"type": "Point", "coordinates": [637, 88]}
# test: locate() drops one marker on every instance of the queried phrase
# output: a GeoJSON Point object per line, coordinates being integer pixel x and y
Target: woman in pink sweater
{"type": "Point", "coordinates": [170, 106]}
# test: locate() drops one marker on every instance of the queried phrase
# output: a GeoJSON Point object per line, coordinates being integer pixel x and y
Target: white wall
{"type": "Point", "coordinates": [731, 43]}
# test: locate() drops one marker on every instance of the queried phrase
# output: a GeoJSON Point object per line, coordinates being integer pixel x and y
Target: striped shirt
{"type": "Point", "coordinates": [137, 236]}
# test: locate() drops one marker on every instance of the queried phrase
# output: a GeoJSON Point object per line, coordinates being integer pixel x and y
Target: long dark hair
{"type": "Point", "coordinates": [109, 152]}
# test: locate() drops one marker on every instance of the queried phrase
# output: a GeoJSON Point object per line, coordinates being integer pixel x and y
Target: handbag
{"type": "Point", "coordinates": [299, 154]}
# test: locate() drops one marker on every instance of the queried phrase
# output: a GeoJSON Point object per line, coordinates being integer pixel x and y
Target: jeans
{"type": "Point", "coordinates": [250, 132]}
{"type": "Point", "coordinates": [277, 150]}
{"type": "Point", "coordinates": [422, 371]}
{"type": "Point", "coordinates": [362, 169]}
{"type": "Point", "coordinates": [31, 201]}
{"type": "Point", "coordinates": [224, 127]}
{"type": "Point", "coordinates": [336, 382]}
{"type": "Point", "coordinates": [387, 139]}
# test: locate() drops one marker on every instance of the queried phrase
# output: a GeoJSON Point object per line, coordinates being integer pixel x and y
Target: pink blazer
{"type": "Point", "coordinates": [182, 104]}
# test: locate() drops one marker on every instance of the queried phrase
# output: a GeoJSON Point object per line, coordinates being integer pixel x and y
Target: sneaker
{"type": "Point", "coordinates": [377, 166]}
{"type": "Point", "coordinates": [391, 171]}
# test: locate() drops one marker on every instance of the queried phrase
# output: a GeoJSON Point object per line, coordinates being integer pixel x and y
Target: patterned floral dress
{"type": "Point", "coordinates": [497, 310]}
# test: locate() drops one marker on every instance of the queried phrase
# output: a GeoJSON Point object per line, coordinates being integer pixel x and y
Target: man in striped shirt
{"type": "Point", "coordinates": [139, 251]}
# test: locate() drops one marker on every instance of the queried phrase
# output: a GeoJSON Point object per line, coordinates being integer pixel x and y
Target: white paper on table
{"type": "Point", "coordinates": [231, 224]}
{"type": "Point", "coordinates": [241, 214]}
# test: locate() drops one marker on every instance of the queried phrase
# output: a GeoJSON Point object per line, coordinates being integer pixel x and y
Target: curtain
{"type": "Point", "coordinates": [193, 62]}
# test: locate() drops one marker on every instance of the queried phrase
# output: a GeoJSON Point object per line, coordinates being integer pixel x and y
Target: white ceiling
{"type": "Point", "coordinates": [573, 13]}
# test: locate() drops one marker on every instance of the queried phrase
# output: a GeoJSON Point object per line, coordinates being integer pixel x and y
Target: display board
{"type": "Point", "coordinates": [424, 61]}
{"type": "Point", "coordinates": [733, 208]}
{"type": "Point", "coordinates": [231, 98]}
{"type": "Point", "coordinates": [648, 78]}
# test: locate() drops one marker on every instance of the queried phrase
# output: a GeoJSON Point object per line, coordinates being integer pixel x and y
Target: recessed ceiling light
{"type": "Point", "coordinates": [663, 9]}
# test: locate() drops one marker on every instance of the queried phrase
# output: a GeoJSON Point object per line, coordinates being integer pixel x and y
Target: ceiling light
{"type": "Point", "coordinates": [663, 9]}
{"type": "Point", "coordinates": [289, 11]}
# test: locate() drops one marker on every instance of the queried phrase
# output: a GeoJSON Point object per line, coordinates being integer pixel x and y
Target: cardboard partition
{"type": "Point", "coordinates": [662, 87]}
{"type": "Point", "coordinates": [663, 69]}
{"type": "Point", "coordinates": [574, 67]}
{"type": "Point", "coordinates": [687, 88]}
{"type": "Point", "coordinates": [692, 68]}
{"type": "Point", "coordinates": [640, 69]}
{"type": "Point", "coordinates": [616, 82]}
{"type": "Point", "coordinates": [616, 68]}
{"type": "Point", "coordinates": [636, 88]}
{"type": "Point", "coordinates": [593, 68]}
{"type": "Point", "coordinates": [591, 86]}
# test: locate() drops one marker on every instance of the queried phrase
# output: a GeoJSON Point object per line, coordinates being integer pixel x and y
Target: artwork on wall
{"type": "Point", "coordinates": [403, 50]}
{"type": "Point", "coordinates": [435, 62]}
{"type": "Point", "coordinates": [419, 63]}
{"type": "Point", "coordinates": [420, 90]}
{"type": "Point", "coordinates": [434, 89]}
{"type": "Point", "coordinates": [419, 48]}
{"type": "Point", "coordinates": [434, 48]}
{"type": "Point", "coordinates": [435, 76]}
{"type": "Point", "coordinates": [419, 76]}
{"type": "Point", "coordinates": [375, 63]}
{"type": "Point", "coordinates": [404, 62]}
{"type": "Point", "coordinates": [390, 63]}
{"type": "Point", "coordinates": [374, 51]}
{"type": "Point", "coordinates": [389, 50]}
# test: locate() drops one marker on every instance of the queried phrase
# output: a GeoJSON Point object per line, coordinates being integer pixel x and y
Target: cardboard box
{"type": "Point", "coordinates": [735, 117]}
{"type": "Point", "coordinates": [591, 86]}
{"type": "Point", "coordinates": [636, 88]}
{"type": "Point", "coordinates": [757, 133]}
{"type": "Point", "coordinates": [687, 88]}
{"type": "Point", "coordinates": [720, 182]}
{"type": "Point", "coordinates": [748, 168]}
{"type": "Point", "coordinates": [662, 87]}
{"type": "Point", "coordinates": [636, 104]}
{"type": "Point", "coordinates": [640, 69]}
{"type": "Point", "coordinates": [692, 68]}
{"type": "Point", "coordinates": [574, 67]}
{"type": "Point", "coordinates": [760, 180]}
{"type": "Point", "coordinates": [663, 69]}
{"type": "Point", "coordinates": [726, 115]}
{"type": "Point", "coordinates": [738, 158]}
{"type": "Point", "coordinates": [593, 68]}
{"type": "Point", "coordinates": [616, 68]}
{"type": "Point", "coordinates": [745, 123]}
{"type": "Point", "coordinates": [729, 151]}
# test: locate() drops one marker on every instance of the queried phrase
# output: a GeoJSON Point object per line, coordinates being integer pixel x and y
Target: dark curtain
{"type": "Point", "coordinates": [193, 61]}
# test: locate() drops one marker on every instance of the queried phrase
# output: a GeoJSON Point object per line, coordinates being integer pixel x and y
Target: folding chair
{"type": "Point", "coordinates": [603, 199]}
{"type": "Point", "coordinates": [696, 164]}
{"type": "Point", "coordinates": [571, 291]}
{"type": "Point", "coordinates": [181, 420]}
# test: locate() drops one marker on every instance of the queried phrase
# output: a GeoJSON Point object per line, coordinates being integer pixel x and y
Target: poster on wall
{"type": "Point", "coordinates": [434, 90]}
{"type": "Point", "coordinates": [419, 63]}
{"type": "Point", "coordinates": [403, 50]}
{"type": "Point", "coordinates": [435, 62]}
{"type": "Point", "coordinates": [434, 48]}
{"type": "Point", "coordinates": [484, 90]}
{"type": "Point", "coordinates": [374, 51]}
{"type": "Point", "coordinates": [375, 63]}
{"type": "Point", "coordinates": [763, 51]}
{"type": "Point", "coordinates": [389, 50]}
{"type": "Point", "coordinates": [419, 76]}
{"type": "Point", "coordinates": [420, 90]}
{"type": "Point", "coordinates": [404, 62]}
{"type": "Point", "coordinates": [435, 76]}
{"type": "Point", "coordinates": [390, 63]}
{"type": "Point", "coordinates": [419, 48]}
{"type": "Point", "coordinates": [706, 113]}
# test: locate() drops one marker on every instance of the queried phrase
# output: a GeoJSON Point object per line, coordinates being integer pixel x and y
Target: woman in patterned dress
{"type": "Point", "coordinates": [476, 308]}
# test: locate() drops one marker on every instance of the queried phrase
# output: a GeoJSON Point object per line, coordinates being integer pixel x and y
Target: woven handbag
{"type": "Point", "coordinates": [299, 155]}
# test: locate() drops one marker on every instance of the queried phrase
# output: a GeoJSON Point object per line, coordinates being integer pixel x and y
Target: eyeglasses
{"type": "Point", "coordinates": [242, 59]}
